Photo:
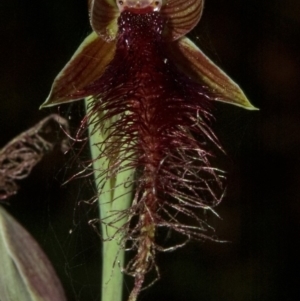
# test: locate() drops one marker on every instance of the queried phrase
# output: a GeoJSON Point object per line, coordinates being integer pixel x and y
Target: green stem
{"type": "Point", "coordinates": [114, 196]}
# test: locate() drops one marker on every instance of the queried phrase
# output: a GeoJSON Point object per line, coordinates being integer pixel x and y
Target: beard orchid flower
{"type": "Point", "coordinates": [149, 90]}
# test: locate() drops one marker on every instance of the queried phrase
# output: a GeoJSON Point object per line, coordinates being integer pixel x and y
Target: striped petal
{"type": "Point", "coordinates": [182, 16]}
{"type": "Point", "coordinates": [190, 59]}
{"type": "Point", "coordinates": [86, 65]}
{"type": "Point", "coordinates": [103, 18]}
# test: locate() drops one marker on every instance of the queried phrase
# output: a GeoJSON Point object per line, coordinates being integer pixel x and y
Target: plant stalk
{"type": "Point", "coordinates": [113, 196]}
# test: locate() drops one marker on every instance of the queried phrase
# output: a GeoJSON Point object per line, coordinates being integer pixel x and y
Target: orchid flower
{"type": "Point", "coordinates": [149, 92]}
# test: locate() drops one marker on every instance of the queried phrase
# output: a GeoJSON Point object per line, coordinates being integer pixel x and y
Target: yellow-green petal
{"type": "Point", "coordinates": [85, 66]}
{"type": "Point", "coordinates": [195, 63]}
{"type": "Point", "coordinates": [181, 16]}
{"type": "Point", "coordinates": [103, 18]}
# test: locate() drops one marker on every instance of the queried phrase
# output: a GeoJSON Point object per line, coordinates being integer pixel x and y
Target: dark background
{"type": "Point", "coordinates": [257, 43]}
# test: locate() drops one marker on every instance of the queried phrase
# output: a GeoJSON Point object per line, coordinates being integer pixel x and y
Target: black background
{"type": "Point", "coordinates": [257, 43]}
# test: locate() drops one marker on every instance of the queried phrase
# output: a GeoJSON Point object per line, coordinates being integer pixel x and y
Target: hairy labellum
{"type": "Point", "coordinates": [160, 116]}
{"type": "Point", "coordinates": [150, 92]}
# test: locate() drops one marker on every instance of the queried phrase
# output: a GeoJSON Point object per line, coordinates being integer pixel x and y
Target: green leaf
{"type": "Point", "coordinates": [26, 273]}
